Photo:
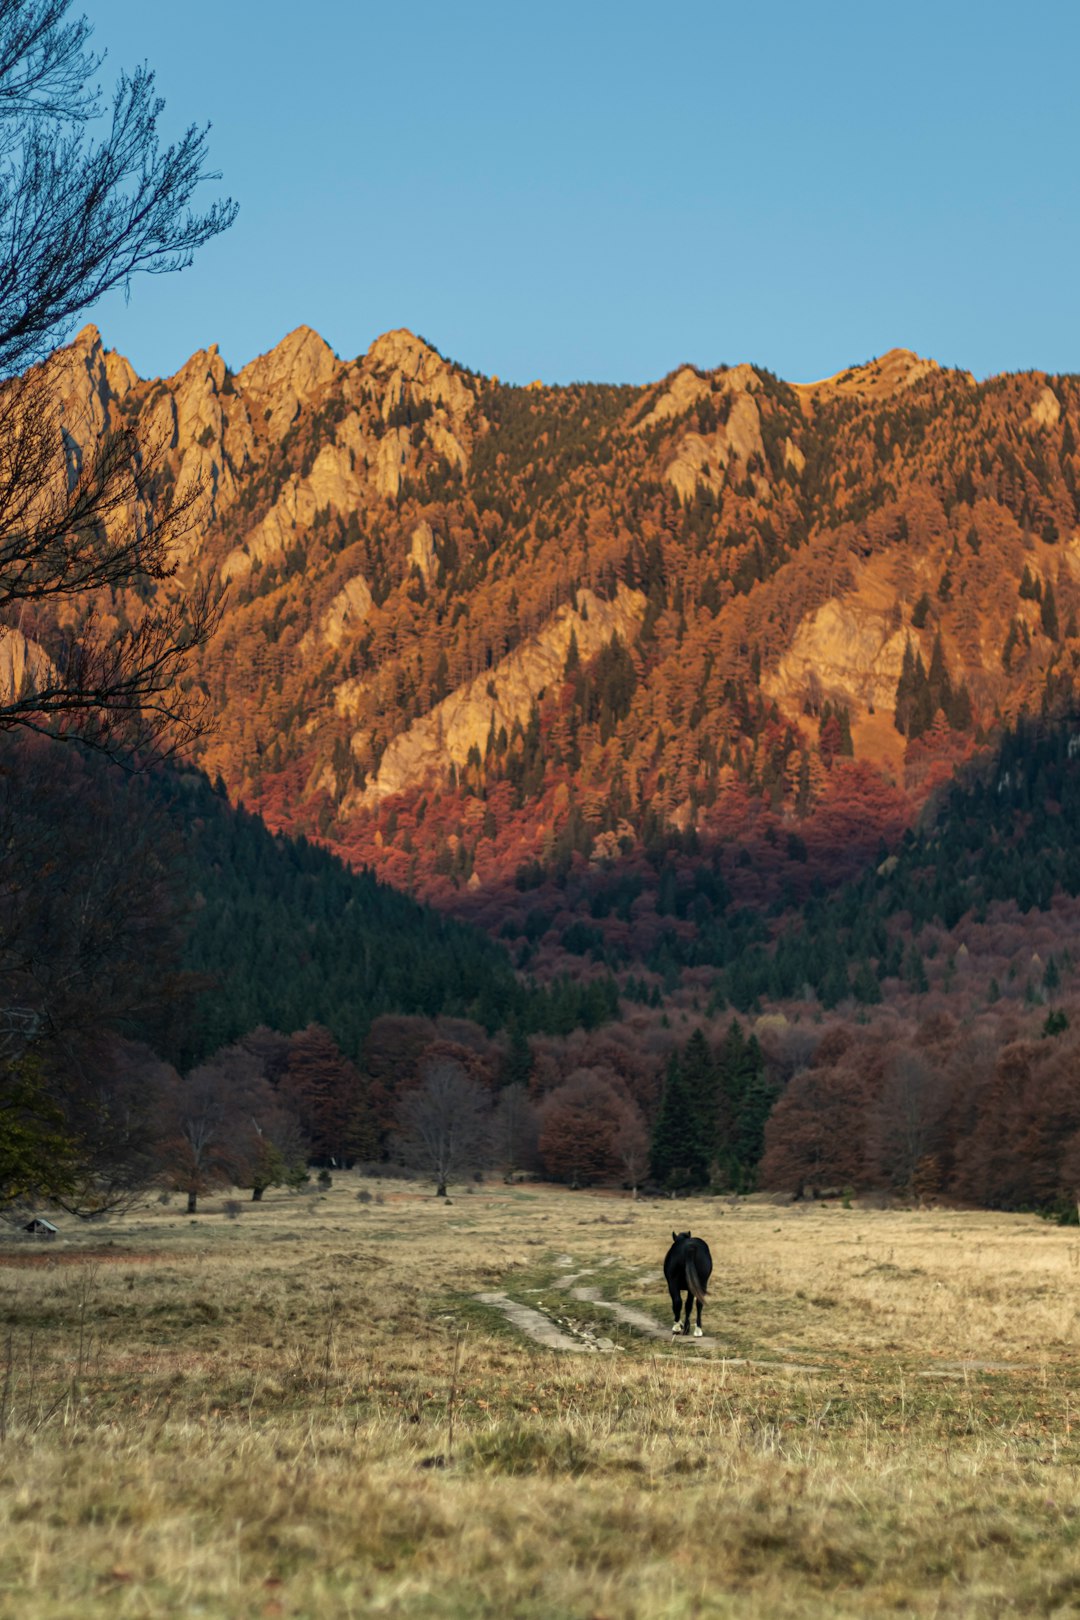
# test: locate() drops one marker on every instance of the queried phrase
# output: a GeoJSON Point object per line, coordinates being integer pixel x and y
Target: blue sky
{"type": "Point", "coordinates": [607, 188]}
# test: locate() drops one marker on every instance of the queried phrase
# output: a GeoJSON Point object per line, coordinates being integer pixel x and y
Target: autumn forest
{"type": "Point", "coordinates": [676, 783]}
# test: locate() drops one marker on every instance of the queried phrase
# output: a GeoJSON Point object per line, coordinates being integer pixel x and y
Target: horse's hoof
{"type": "Point", "coordinates": [676, 1328]}
{"type": "Point", "coordinates": [698, 1334]}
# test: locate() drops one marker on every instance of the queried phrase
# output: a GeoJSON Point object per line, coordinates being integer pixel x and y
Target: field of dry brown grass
{"type": "Point", "coordinates": [307, 1411]}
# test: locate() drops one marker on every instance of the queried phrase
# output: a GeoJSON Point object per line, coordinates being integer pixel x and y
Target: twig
{"type": "Point", "coordinates": [5, 1393]}
{"type": "Point", "coordinates": [451, 1402]}
{"type": "Point", "coordinates": [328, 1357]}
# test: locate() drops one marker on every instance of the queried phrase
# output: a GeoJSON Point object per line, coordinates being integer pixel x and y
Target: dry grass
{"type": "Point", "coordinates": [253, 1417]}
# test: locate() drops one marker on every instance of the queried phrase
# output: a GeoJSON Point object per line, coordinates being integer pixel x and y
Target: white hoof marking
{"type": "Point", "coordinates": [698, 1334]}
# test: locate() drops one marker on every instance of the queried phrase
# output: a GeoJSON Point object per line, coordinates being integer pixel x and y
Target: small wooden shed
{"type": "Point", "coordinates": [39, 1227]}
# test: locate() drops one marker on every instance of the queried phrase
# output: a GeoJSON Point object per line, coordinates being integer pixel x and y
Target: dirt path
{"type": "Point", "coordinates": [640, 1321]}
{"type": "Point", "coordinates": [540, 1328]}
{"type": "Point", "coordinates": [963, 1369]}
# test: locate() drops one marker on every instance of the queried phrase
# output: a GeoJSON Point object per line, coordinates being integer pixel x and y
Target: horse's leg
{"type": "Point", "coordinates": [698, 1331]}
{"type": "Point", "coordinates": [676, 1305]}
{"type": "Point", "coordinates": [689, 1304]}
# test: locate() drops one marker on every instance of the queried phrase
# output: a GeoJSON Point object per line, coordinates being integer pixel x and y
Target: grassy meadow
{"type": "Point", "coordinates": [305, 1411]}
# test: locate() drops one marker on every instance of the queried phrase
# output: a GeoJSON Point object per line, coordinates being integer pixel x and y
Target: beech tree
{"type": "Point", "coordinates": [204, 1141]}
{"type": "Point", "coordinates": [268, 1147]}
{"type": "Point", "coordinates": [579, 1122]}
{"type": "Point", "coordinates": [906, 1120]}
{"type": "Point", "coordinates": [814, 1136]}
{"type": "Point", "coordinates": [89, 197]}
{"type": "Point", "coordinates": [514, 1131]}
{"type": "Point", "coordinates": [631, 1144]}
{"type": "Point", "coordinates": [443, 1124]}
{"type": "Point", "coordinates": [327, 1095]}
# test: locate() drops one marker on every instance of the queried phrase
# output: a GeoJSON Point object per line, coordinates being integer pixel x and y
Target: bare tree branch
{"type": "Point", "coordinates": [89, 534]}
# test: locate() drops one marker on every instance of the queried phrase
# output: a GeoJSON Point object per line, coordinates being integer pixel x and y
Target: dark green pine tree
{"type": "Point", "coordinates": [745, 1104]}
{"type": "Point", "coordinates": [1049, 612]}
{"type": "Point", "coordinates": [938, 678]}
{"type": "Point", "coordinates": [730, 1078]}
{"type": "Point", "coordinates": [702, 1086]}
{"type": "Point", "coordinates": [678, 1156]}
{"type": "Point", "coordinates": [756, 1106]}
{"type": "Point", "coordinates": [847, 745]}
{"type": "Point", "coordinates": [915, 971]}
{"type": "Point", "coordinates": [959, 713]}
{"type": "Point", "coordinates": [922, 706]}
{"type": "Point", "coordinates": [865, 987]}
{"type": "Point", "coordinates": [905, 689]}
{"type": "Point", "coordinates": [1030, 588]}
{"type": "Point", "coordinates": [833, 986]}
{"type": "Point", "coordinates": [517, 1065]}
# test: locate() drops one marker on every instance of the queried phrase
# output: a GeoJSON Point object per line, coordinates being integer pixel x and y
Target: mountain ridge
{"type": "Point", "coordinates": [473, 627]}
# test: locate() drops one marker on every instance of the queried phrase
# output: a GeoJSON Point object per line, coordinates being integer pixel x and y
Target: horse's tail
{"type": "Point", "coordinates": [697, 1287]}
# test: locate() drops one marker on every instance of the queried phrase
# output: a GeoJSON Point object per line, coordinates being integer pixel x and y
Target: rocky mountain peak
{"type": "Point", "coordinates": [408, 368]}
{"type": "Point", "coordinates": [401, 350]}
{"type": "Point", "coordinates": [287, 375]}
{"type": "Point", "coordinates": [890, 374]}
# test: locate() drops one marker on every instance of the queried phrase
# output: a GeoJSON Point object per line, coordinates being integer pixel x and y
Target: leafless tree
{"type": "Point", "coordinates": [444, 1124]}
{"type": "Point", "coordinates": [631, 1143]}
{"type": "Point", "coordinates": [270, 1148]}
{"type": "Point", "coordinates": [205, 1139]}
{"type": "Point", "coordinates": [109, 1092]}
{"type": "Point", "coordinates": [906, 1121]}
{"type": "Point", "coordinates": [70, 539]}
{"type": "Point", "coordinates": [279, 1149]}
{"type": "Point", "coordinates": [514, 1131]}
{"type": "Point", "coordinates": [80, 216]}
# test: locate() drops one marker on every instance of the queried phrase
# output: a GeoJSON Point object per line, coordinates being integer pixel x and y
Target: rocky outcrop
{"type": "Point", "coordinates": [793, 457]}
{"type": "Point", "coordinates": [390, 456]}
{"type": "Point", "coordinates": [705, 458]}
{"type": "Point", "coordinates": [683, 391]}
{"type": "Point", "coordinates": [422, 550]}
{"type": "Point", "coordinates": [23, 665]}
{"type": "Point", "coordinates": [1046, 411]}
{"type": "Point", "coordinates": [348, 610]}
{"type": "Point", "coordinates": [332, 482]}
{"type": "Point", "coordinates": [212, 429]}
{"type": "Point", "coordinates": [843, 651]}
{"type": "Point", "coordinates": [86, 383]}
{"type": "Point", "coordinates": [407, 367]}
{"type": "Point", "coordinates": [878, 379]}
{"type": "Point", "coordinates": [503, 696]}
{"type": "Point", "coordinates": [281, 380]}
{"type": "Point", "coordinates": [349, 696]}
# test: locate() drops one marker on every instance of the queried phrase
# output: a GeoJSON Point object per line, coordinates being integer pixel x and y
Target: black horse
{"type": "Point", "coordinates": [687, 1267]}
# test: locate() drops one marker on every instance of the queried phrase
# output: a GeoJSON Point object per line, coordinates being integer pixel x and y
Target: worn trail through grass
{"type": "Point", "coordinates": [259, 1417]}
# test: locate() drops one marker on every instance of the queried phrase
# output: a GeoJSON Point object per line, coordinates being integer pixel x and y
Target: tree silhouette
{"type": "Point", "coordinates": [79, 216]}
{"type": "Point", "coordinates": [204, 1141]}
{"type": "Point", "coordinates": [579, 1122]}
{"type": "Point", "coordinates": [326, 1094]}
{"type": "Point", "coordinates": [514, 1131]}
{"type": "Point", "coordinates": [684, 1135]}
{"type": "Point", "coordinates": [444, 1124]}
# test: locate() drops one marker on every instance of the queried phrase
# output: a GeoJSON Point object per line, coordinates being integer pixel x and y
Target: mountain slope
{"type": "Point", "coordinates": [496, 642]}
